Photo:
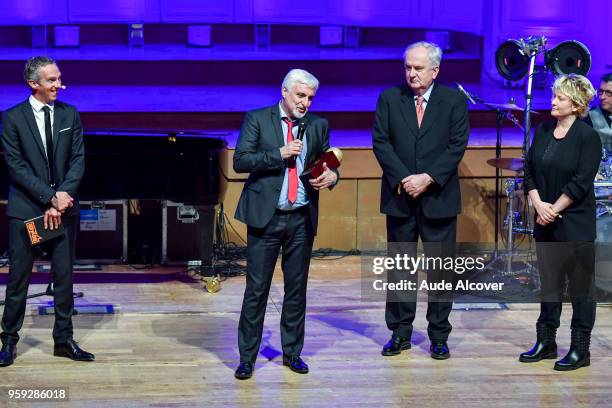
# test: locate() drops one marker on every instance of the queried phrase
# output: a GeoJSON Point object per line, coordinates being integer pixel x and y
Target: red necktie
{"type": "Point", "coordinates": [292, 167]}
{"type": "Point", "coordinates": [419, 109]}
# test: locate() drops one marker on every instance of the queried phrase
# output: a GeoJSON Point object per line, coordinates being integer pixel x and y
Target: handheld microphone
{"type": "Point", "coordinates": [301, 130]}
{"type": "Point", "coordinates": [300, 136]}
{"type": "Point", "coordinates": [465, 93]}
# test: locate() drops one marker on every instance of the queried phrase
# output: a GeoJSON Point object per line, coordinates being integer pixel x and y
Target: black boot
{"type": "Point", "coordinates": [545, 346]}
{"type": "Point", "coordinates": [578, 354]}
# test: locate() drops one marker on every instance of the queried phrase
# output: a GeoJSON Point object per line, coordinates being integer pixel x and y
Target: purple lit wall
{"type": "Point", "coordinates": [495, 20]}
{"type": "Point", "coordinates": [558, 20]}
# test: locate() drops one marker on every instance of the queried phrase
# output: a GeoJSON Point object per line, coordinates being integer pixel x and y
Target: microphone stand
{"type": "Point", "coordinates": [527, 128]}
{"type": "Point", "coordinates": [500, 114]}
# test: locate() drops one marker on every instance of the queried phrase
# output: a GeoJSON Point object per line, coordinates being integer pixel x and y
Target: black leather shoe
{"type": "Point", "coordinates": [395, 346]}
{"type": "Point", "coordinates": [296, 364]}
{"type": "Point", "coordinates": [578, 354]}
{"type": "Point", "coordinates": [72, 350]}
{"type": "Point", "coordinates": [545, 346]}
{"type": "Point", "coordinates": [439, 350]}
{"type": "Point", "coordinates": [244, 371]}
{"type": "Point", "coordinates": [8, 353]}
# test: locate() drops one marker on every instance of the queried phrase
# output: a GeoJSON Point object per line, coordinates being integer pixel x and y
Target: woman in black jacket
{"type": "Point", "coordinates": [559, 172]}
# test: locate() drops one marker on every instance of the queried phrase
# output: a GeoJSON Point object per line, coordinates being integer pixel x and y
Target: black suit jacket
{"type": "Point", "coordinates": [402, 149]}
{"type": "Point", "coordinates": [29, 188]}
{"type": "Point", "coordinates": [258, 153]}
{"type": "Point", "coordinates": [572, 172]}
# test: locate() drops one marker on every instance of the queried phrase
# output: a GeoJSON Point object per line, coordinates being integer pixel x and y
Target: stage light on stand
{"type": "Point", "coordinates": [510, 61]}
{"type": "Point", "coordinates": [512, 58]}
{"type": "Point", "coordinates": [569, 57]}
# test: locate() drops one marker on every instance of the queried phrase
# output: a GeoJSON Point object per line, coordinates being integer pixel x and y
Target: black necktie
{"type": "Point", "coordinates": [49, 141]}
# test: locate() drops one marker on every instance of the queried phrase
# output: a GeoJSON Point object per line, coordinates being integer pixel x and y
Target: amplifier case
{"type": "Point", "coordinates": [103, 232]}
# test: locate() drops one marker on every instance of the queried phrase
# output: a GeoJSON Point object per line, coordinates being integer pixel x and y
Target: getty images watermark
{"type": "Point", "coordinates": [478, 273]}
{"type": "Point", "coordinates": [446, 266]}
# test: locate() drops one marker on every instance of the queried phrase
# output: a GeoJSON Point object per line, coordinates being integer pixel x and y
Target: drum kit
{"type": "Point", "coordinates": [517, 218]}
{"type": "Point", "coordinates": [515, 59]}
{"type": "Point", "coordinates": [603, 197]}
{"type": "Point", "coordinates": [519, 222]}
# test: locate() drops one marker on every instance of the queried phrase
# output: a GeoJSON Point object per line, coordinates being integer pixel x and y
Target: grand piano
{"type": "Point", "coordinates": [151, 166]}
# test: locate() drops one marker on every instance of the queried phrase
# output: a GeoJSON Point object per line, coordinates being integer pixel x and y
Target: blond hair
{"type": "Point", "coordinates": [578, 89]}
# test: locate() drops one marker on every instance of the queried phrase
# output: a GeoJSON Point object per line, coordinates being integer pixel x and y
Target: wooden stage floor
{"type": "Point", "coordinates": [173, 345]}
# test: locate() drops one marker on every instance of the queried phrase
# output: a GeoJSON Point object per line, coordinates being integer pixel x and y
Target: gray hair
{"type": "Point", "coordinates": [30, 72]}
{"type": "Point", "coordinates": [434, 52]}
{"type": "Point", "coordinates": [300, 76]}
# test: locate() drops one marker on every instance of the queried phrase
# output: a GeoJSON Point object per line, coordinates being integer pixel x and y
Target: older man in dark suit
{"type": "Point", "coordinates": [419, 137]}
{"type": "Point", "coordinates": [280, 206]}
{"type": "Point", "coordinates": [43, 148]}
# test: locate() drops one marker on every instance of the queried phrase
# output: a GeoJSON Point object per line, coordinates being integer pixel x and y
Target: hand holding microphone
{"type": "Point", "coordinates": [294, 148]}
{"type": "Point", "coordinates": [291, 149]}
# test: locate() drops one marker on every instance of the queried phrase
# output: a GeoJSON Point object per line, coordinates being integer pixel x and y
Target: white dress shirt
{"type": "Point", "coordinates": [39, 115]}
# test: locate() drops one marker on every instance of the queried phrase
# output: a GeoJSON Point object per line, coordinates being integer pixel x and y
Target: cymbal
{"type": "Point", "coordinates": [507, 163]}
{"type": "Point", "coordinates": [506, 106]}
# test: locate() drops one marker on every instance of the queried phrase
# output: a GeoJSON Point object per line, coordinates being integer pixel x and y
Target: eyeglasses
{"type": "Point", "coordinates": [602, 92]}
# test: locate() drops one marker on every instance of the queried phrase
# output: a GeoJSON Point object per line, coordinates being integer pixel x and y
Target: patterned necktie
{"type": "Point", "coordinates": [49, 142]}
{"type": "Point", "coordinates": [420, 111]}
{"type": "Point", "coordinates": [292, 167]}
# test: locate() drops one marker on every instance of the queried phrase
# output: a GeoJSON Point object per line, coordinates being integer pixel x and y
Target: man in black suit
{"type": "Point", "coordinates": [43, 149]}
{"type": "Point", "coordinates": [280, 206]}
{"type": "Point", "coordinates": [419, 137]}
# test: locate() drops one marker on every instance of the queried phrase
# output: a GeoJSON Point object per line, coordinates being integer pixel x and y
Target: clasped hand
{"type": "Point", "coordinates": [60, 202]}
{"type": "Point", "coordinates": [546, 213]}
{"type": "Point", "coordinates": [416, 184]}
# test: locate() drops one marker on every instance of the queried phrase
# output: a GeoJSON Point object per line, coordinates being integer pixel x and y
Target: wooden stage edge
{"type": "Point", "coordinates": [349, 216]}
{"type": "Point", "coordinates": [170, 344]}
